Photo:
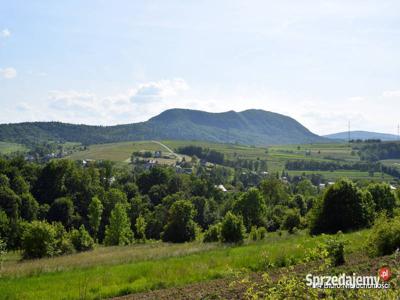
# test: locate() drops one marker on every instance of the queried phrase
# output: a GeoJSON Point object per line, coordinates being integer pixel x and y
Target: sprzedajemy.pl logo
{"type": "Point", "coordinates": [354, 281]}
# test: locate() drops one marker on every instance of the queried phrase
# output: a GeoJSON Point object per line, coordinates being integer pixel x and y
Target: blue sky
{"type": "Point", "coordinates": [112, 62]}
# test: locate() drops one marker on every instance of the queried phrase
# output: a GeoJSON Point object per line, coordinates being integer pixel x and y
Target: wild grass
{"type": "Point", "coordinates": [113, 276]}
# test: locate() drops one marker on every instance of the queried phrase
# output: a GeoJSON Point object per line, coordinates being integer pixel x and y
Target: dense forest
{"type": "Point", "coordinates": [250, 127]}
{"type": "Point", "coordinates": [63, 206]}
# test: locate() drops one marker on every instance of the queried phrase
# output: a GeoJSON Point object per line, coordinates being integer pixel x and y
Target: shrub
{"type": "Point", "coordinates": [291, 220]}
{"type": "Point", "coordinates": [343, 207]}
{"type": "Point", "coordinates": [213, 234]}
{"type": "Point", "coordinates": [232, 229]}
{"type": "Point", "coordinates": [253, 236]}
{"type": "Point", "coordinates": [385, 236]}
{"type": "Point", "coordinates": [335, 252]}
{"type": "Point", "coordinates": [81, 239]}
{"type": "Point", "coordinates": [383, 197]}
{"type": "Point", "coordinates": [39, 240]}
{"type": "Point", "coordinates": [261, 233]}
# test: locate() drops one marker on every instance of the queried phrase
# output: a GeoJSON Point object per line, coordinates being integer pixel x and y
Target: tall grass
{"type": "Point", "coordinates": [105, 278]}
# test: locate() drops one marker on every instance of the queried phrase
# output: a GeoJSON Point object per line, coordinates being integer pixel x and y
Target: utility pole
{"type": "Point", "coordinates": [348, 134]}
{"type": "Point", "coordinates": [398, 132]}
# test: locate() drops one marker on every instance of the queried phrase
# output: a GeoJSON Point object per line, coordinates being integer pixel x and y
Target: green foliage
{"type": "Point", "coordinates": [29, 207]}
{"type": "Point", "coordinates": [81, 239]}
{"type": "Point", "coordinates": [385, 236]}
{"type": "Point", "coordinates": [3, 252]}
{"type": "Point", "coordinates": [274, 191]}
{"type": "Point", "coordinates": [180, 225]}
{"type": "Point", "coordinates": [39, 240]}
{"type": "Point", "coordinates": [335, 252]}
{"type": "Point", "coordinates": [232, 229]}
{"type": "Point", "coordinates": [261, 233]}
{"type": "Point", "coordinates": [291, 220]}
{"type": "Point", "coordinates": [118, 232]}
{"type": "Point", "coordinates": [213, 233]}
{"type": "Point", "coordinates": [253, 236]}
{"type": "Point", "coordinates": [251, 127]}
{"type": "Point", "coordinates": [299, 203]}
{"type": "Point", "coordinates": [62, 210]}
{"type": "Point", "coordinates": [95, 213]}
{"type": "Point", "coordinates": [9, 202]}
{"type": "Point", "coordinates": [343, 207]}
{"type": "Point", "coordinates": [383, 197]}
{"type": "Point", "coordinates": [251, 207]}
{"type": "Point", "coordinates": [140, 226]}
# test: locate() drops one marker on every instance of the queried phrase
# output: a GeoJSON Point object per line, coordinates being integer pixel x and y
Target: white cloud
{"type": "Point", "coordinates": [136, 104]}
{"type": "Point", "coordinates": [5, 33]}
{"type": "Point", "coordinates": [158, 90]}
{"type": "Point", "coordinates": [356, 99]}
{"type": "Point", "coordinates": [8, 73]}
{"type": "Point", "coordinates": [391, 94]}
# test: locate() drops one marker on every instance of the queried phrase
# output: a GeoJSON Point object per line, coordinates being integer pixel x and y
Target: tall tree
{"type": "Point", "coordinates": [251, 207]}
{"type": "Point", "coordinates": [118, 232]}
{"type": "Point", "coordinates": [95, 213]}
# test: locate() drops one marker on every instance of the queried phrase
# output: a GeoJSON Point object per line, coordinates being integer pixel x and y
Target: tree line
{"type": "Point", "coordinates": [62, 206]}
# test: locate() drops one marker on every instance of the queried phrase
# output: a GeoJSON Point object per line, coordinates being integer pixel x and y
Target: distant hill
{"type": "Point", "coordinates": [362, 135]}
{"type": "Point", "coordinates": [249, 127]}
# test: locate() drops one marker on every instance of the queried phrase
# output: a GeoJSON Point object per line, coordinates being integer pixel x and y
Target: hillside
{"type": "Point", "coordinates": [250, 127]}
{"type": "Point", "coordinates": [362, 135]}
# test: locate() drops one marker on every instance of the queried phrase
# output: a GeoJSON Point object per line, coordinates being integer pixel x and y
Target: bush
{"type": "Point", "coordinates": [232, 229]}
{"type": "Point", "coordinates": [335, 252]}
{"type": "Point", "coordinates": [253, 235]}
{"type": "Point", "coordinates": [385, 236]}
{"type": "Point", "coordinates": [343, 207]}
{"type": "Point", "coordinates": [292, 220]}
{"type": "Point", "coordinates": [39, 240]}
{"type": "Point", "coordinates": [261, 233]}
{"type": "Point", "coordinates": [81, 239]}
{"type": "Point", "coordinates": [213, 234]}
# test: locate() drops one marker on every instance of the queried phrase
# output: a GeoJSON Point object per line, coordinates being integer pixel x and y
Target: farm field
{"type": "Point", "coordinates": [116, 271]}
{"type": "Point", "coordinates": [276, 156]}
{"type": "Point", "coordinates": [337, 174]}
{"type": "Point", "coordinates": [7, 148]}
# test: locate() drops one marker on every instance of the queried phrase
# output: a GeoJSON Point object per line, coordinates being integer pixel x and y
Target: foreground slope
{"type": "Point", "coordinates": [250, 127]}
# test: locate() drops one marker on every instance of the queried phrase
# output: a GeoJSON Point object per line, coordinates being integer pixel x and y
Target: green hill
{"type": "Point", "coordinates": [250, 127]}
{"type": "Point", "coordinates": [362, 135]}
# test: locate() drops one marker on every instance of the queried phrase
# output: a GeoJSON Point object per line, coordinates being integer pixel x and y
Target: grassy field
{"type": "Point", "coordinates": [107, 272]}
{"type": "Point", "coordinates": [7, 148]}
{"type": "Point", "coordinates": [276, 156]}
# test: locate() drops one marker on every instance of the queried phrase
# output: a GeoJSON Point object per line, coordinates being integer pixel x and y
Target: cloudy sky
{"type": "Point", "coordinates": [122, 61]}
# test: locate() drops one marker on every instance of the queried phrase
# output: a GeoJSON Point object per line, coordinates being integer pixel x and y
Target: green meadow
{"type": "Point", "coordinates": [115, 271]}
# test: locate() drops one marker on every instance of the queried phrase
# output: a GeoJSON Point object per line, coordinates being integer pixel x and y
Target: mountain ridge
{"type": "Point", "coordinates": [362, 135]}
{"type": "Point", "coordinates": [249, 127]}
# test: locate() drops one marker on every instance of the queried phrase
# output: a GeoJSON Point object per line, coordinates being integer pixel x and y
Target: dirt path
{"type": "Point", "coordinates": [168, 149]}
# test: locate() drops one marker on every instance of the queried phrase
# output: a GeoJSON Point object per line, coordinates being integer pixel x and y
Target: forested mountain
{"type": "Point", "coordinates": [362, 135]}
{"type": "Point", "coordinates": [250, 127]}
